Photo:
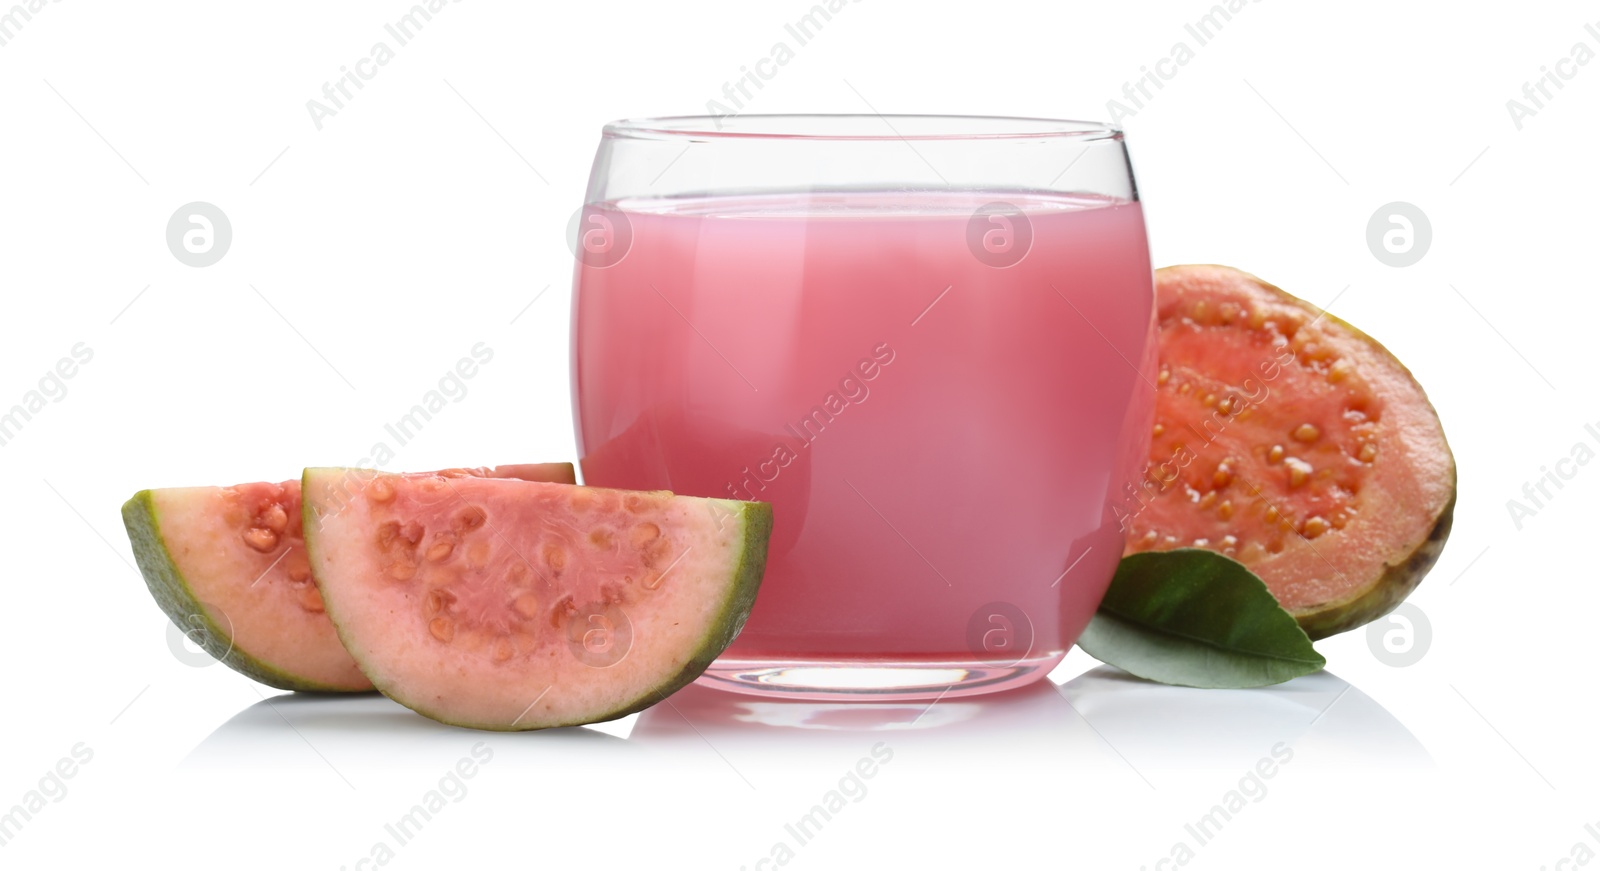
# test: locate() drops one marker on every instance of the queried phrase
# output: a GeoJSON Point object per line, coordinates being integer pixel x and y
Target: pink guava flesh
{"type": "Point", "coordinates": [1294, 443]}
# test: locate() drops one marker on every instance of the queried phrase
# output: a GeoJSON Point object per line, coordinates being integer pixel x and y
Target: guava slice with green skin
{"type": "Point", "coordinates": [515, 605]}
{"type": "Point", "coordinates": [228, 566]}
{"type": "Point", "coordinates": [1294, 443]}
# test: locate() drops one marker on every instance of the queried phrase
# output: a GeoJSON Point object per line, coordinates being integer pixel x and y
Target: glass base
{"type": "Point", "coordinates": [873, 679]}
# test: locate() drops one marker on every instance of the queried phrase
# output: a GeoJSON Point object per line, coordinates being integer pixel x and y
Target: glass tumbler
{"type": "Point", "coordinates": [927, 341]}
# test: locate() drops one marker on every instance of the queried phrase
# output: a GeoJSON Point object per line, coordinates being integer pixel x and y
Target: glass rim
{"type": "Point", "coordinates": [862, 127]}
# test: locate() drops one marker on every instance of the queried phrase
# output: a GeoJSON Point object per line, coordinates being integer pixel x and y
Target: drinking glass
{"type": "Point", "coordinates": [927, 341]}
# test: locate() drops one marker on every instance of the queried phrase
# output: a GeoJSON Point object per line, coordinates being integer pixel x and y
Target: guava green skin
{"type": "Point", "coordinates": [1387, 592]}
{"type": "Point", "coordinates": [177, 600]}
{"type": "Point", "coordinates": [755, 518]}
{"type": "Point", "coordinates": [1399, 580]}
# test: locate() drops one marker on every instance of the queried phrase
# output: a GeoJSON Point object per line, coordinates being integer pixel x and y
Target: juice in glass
{"type": "Point", "coordinates": [940, 439]}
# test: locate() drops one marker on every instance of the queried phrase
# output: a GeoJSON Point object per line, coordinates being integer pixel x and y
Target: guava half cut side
{"type": "Point", "coordinates": [515, 605]}
{"type": "Point", "coordinates": [228, 566]}
{"type": "Point", "coordinates": [1294, 443]}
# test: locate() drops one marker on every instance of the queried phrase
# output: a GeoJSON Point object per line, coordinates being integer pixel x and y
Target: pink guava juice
{"type": "Point", "coordinates": [941, 428]}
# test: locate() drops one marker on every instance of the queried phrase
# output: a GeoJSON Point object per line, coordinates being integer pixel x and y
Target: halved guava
{"type": "Point", "coordinates": [514, 605]}
{"type": "Point", "coordinates": [228, 565]}
{"type": "Point", "coordinates": [1294, 443]}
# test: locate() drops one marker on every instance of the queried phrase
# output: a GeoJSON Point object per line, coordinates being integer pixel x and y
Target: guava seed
{"type": "Point", "coordinates": [441, 549]}
{"type": "Point", "coordinates": [526, 605]}
{"type": "Point", "coordinates": [471, 518]}
{"type": "Point", "coordinates": [437, 602]}
{"type": "Point", "coordinates": [311, 599]}
{"type": "Point", "coordinates": [442, 628]}
{"type": "Point", "coordinates": [643, 534]}
{"type": "Point", "coordinates": [275, 518]}
{"type": "Point", "coordinates": [296, 564]}
{"type": "Point", "coordinates": [1299, 471]}
{"type": "Point", "coordinates": [1223, 476]}
{"type": "Point", "coordinates": [380, 490]}
{"type": "Point", "coordinates": [259, 539]}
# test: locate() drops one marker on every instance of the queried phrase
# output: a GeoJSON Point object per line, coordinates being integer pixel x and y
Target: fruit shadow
{"type": "Point", "coordinates": [312, 730]}
{"type": "Point", "coordinates": [1320, 718]}
{"type": "Point", "coordinates": [778, 740]}
{"type": "Point", "coordinates": [1101, 719]}
{"type": "Point", "coordinates": [1098, 725]}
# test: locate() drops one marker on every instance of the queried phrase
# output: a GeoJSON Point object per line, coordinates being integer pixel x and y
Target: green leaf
{"type": "Point", "coordinates": [1196, 618]}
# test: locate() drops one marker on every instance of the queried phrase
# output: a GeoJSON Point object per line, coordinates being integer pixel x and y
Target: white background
{"type": "Point", "coordinates": [429, 214]}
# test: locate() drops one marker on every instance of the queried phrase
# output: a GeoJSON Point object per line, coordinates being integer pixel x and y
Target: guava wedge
{"type": "Point", "coordinates": [228, 566]}
{"type": "Point", "coordinates": [1294, 443]}
{"type": "Point", "coordinates": [515, 605]}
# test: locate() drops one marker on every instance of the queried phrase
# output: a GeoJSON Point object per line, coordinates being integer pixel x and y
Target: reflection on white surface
{"type": "Point", "coordinates": [346, 736]}
{"type": "Point", "coordinates": [1117, 769]}
{"type": "Point", "coordinates": [1102, 722]}
{"type": "Point", "coordinates": [1184, 728]}
{"type": "Point", "coordinates": [765, 738]}
{"type": "Point", "coordinates": [706, 709]}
